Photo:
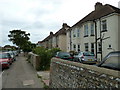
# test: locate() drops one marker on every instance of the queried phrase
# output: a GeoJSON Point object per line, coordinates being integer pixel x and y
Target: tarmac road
{"type": "Point", "coordinates": [21, 74]}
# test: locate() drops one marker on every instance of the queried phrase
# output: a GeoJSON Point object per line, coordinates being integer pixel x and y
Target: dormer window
{"type": "Point", "coordinates": [104, 25]}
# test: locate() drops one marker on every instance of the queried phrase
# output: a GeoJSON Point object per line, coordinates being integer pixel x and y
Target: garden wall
{"type": "Point", "coordinates": [34, 59]}
{"type": "Point", "coordinates": [67, 74]}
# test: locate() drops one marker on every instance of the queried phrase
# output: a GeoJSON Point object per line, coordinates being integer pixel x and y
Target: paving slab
{"type": "Point", "coordinates": [28, 82]}
{"type": "Point", "coordinates": [45, 76]}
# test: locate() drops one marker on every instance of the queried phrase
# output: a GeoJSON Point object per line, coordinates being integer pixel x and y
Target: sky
{"type": "Point", "coordinates": [40, 17]}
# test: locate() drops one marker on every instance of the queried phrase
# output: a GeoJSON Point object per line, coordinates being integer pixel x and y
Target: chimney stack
{"type": "Point", "coordinates": [51, 33]}
{"type": "Point", "coordinates": [98, 6]}
{"type": "Point", "coordinates": [65, 26]}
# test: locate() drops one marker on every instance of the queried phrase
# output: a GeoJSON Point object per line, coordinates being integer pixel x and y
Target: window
{"type": "Point", "coordinates": [78, 33]}
{"type": "Point", "coordinates": [99, 48]}
{"type": "Point", "coordinates": [74, 47]}
{"type": "Point", "coordinates": [92, 47]}
{"type": "Point", "coordinates": [104, 25]}
{"type": "Point", "coordinates": [74, 33]}
{"type": "Point", "coordinates": [92, 29]}
{"type": "Point", "coordinates": [86, 46]}
{"type": "Point", "coordinates": [78, 47]}
{"type": "Point", "coordinates": [85, 30]}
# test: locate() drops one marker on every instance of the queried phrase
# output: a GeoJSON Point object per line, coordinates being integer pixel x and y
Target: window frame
{"type": "Point", "coordinates": [99, 47]}
{"type": "Point", "coordinates": [92, 29]}
{"type": "Point", "coordinates": [78, 47]}
{"type": "Point", "coordinates": [92, 48]}
{"type": "Point", "coordinates": [74, 47]}
{"type": "Point", "coordinates": [104, 25]}
{"type": "Point", "coordinates": [86, 33]}
{"type": "Point", "coordinates": [86, 46]}
{"type": "Point", "coordinates": [78, 32]}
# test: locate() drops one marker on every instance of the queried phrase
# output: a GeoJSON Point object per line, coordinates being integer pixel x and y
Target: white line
{"type": "Point", "coordinates": [1, 73]}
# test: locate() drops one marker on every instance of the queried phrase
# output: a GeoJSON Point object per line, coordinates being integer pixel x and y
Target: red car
{"type": "Point", "coordinates": [5, 60]}
{"type": "Point", "coordinates": [4, 63]}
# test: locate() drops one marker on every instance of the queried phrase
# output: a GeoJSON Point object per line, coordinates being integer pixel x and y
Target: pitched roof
{"type": "Point", "coordinates": [62, 30]}
{"type": "Point", "coordinates": [47, 38]}
{"type": "Point", "coordinates": [96, 14]}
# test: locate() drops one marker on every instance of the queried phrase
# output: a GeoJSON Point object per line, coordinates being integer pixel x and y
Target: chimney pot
{"type": "Point", "coordinates": [51, 33]}
{"type": "Point", "coordinates": [98, 6]}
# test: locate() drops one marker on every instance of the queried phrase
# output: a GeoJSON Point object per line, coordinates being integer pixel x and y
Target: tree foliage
{"type": "Point", "coordinates": [21, 39]}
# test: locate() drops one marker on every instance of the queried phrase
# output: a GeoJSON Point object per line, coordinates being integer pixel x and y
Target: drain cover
{"type": "Point", "coordinates": [28, 82]}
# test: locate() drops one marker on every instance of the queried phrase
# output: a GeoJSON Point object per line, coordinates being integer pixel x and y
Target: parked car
{"type": "Point", "coordinates": [5, 60]}
{"type": "Point", "coordinates": [64, 55]}
{"type": "Point", "coordinates": [111, 61]}
{"type": "Point", "coordinates": [13, 56]}
{"type": "Point", "coordinates": [15, 53]}
{"type": "Point", "coordinates": [85, 57]}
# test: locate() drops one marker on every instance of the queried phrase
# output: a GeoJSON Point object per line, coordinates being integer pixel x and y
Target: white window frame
{"type": "Point", "coordinates": [104, 25]}
{"type": "Point", "coordinates": [99, 47]}
{"type": "Point", "coordinates": [74, 47]}
{"type": "Point", "coordinates": [92, 48]}
{"type": "Point", "coordinates": [78, 46]}
{"type": "Point", "coordinates": [92, 29]}
{"type": "Point", "coordinates": [78, 32]}
{"type": "Point", "coordinates": [74, 33]}
{"type": "Point", "coordinates": [86, 30]}
{"type": "Point", "coordinates": [86, 46]}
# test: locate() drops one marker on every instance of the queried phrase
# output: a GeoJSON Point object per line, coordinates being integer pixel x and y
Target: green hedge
{"type": "Point", "coordinates": [45, 56]}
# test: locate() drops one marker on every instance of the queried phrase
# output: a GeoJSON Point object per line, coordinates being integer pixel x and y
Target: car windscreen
{"type": "Point", "coordinates": [112, 62]}
{"type": "Point", "coordinates": [4, 55]}
{"type": "Point", "coordinates": [63, 54]}
{"type": "Point", "coordinates": [88, 54]}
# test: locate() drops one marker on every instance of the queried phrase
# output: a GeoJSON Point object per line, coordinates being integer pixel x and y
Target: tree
{"type": "Point", "coordinates": [20, 38]}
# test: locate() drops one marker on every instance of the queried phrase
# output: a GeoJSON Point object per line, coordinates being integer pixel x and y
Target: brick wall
{"type": "Point", "coordinates": [67, 74]}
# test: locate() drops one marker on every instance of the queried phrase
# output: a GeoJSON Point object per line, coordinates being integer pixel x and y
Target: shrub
{"type": "Point", "coordinates": [45, 56]}
{"type": "Point", "coordinates": [53, 51]}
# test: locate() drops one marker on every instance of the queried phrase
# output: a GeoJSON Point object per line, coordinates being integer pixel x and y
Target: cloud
{"type": "Point", "coordinates": [39, 17]}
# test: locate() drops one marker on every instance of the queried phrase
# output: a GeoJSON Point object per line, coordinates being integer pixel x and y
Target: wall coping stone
{"type": "Point", "coordinates": [33, 54]}
{"type": "Point", "coordinates": [101, 70]}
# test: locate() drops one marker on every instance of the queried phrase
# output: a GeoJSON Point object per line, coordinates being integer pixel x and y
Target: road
{"type": "Point", "coordinates": [21, 74]}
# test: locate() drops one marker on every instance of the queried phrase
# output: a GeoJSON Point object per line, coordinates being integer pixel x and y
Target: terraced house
{"type": "Point", "coordinates": [97, 32]}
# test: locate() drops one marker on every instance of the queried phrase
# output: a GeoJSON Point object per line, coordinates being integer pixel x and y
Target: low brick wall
{"type": "Point", "coordinates": [67, 74]}
{"type": "Point", "coordinates": [34, 59]}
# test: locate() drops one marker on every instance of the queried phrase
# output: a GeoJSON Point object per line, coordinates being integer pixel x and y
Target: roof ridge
{"type": "Point", "coordinates": [112, 7]}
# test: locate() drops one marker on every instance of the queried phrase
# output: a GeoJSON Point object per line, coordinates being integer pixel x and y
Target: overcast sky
{"type": "Point", "coordinates": [39, 17]}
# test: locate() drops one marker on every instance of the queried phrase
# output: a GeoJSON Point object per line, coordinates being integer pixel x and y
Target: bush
{"type": "Point", "coordinates": [45, 56]}
{"type": "Point", "coordinates": [53, 51]}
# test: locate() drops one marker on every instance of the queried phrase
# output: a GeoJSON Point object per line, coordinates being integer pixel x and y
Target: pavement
{"type": "Point", "coordinates": [21, 74]}
{"type": "Point", "coordinates": [45, 77]}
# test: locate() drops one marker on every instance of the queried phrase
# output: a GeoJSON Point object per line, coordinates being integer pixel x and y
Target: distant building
{"type": "Point", "coordinates": [57, 40]}
{"type": "Point", "coordinates": [60, 37]}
